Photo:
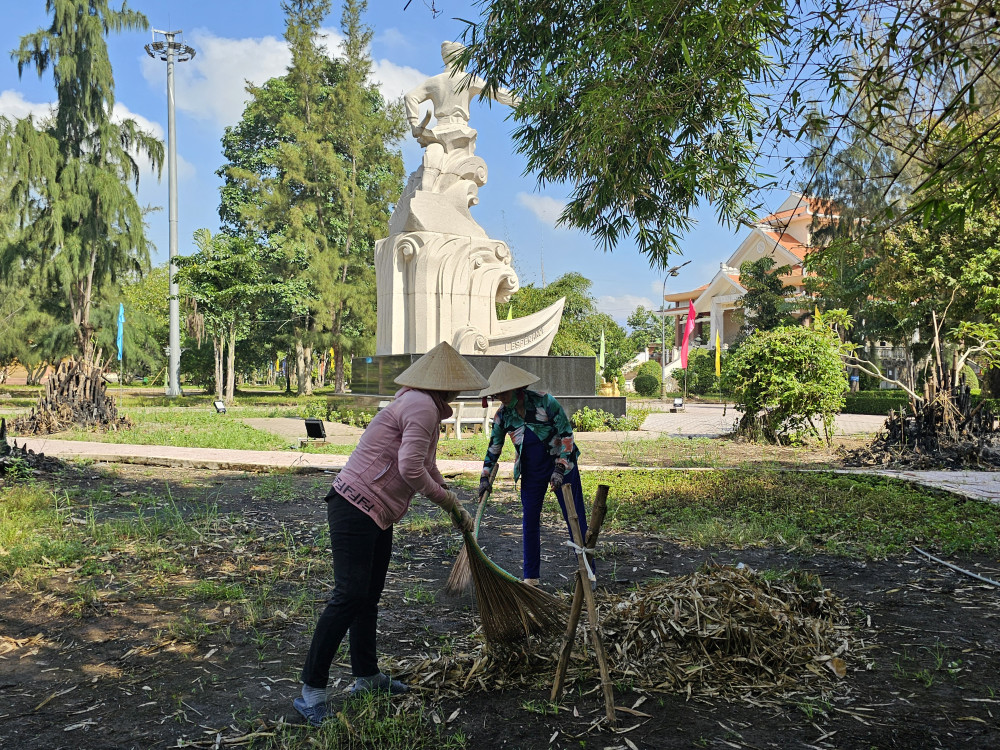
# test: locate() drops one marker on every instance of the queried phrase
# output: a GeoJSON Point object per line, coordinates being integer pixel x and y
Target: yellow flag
{"type": "Point", "coordinates": [510, 312]}
{"type": "Point", "coordinates": [718, 356]}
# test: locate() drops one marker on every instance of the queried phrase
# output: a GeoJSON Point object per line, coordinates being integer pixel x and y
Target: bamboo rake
{"type": "Point", "coordinates": [582, 592]}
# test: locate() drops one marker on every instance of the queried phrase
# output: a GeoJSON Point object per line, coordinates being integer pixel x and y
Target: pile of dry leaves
{"type": "Point", "coordinates": [722, 632]}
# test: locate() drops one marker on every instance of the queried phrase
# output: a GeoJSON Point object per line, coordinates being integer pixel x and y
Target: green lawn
{"type": "Point", "coordinates": [189, 427]}
{"type": "Point", "coordinates": [801, 511]}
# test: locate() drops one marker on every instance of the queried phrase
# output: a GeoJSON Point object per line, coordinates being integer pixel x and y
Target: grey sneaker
{"type": "Point", "coordinates": [379, 683]}
{"type": "Point", "coordinates": [314, 715]}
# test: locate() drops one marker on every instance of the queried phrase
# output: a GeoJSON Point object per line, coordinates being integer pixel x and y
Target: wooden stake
{"type": "Point", "coordinates": [588, 595]}
{"type": "Point", "coordinates": [597, 514]}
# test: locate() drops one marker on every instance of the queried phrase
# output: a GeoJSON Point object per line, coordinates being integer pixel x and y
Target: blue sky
{"type": "Point", "coordinates": [239, 40]}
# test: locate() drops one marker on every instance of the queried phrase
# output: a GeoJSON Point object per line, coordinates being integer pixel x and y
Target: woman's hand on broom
{"type": "Point", "coordinates": [485, 485]}
{"type": "Point", "coordinates": [459, 515]}
{"type": "Point", "coordinates": [462, 520]}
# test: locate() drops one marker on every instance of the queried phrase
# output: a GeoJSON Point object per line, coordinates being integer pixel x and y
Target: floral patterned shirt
{"type": "Point", "coordinates": [545, 417]}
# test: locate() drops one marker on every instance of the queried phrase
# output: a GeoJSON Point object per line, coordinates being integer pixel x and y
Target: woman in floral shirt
{"type": "Point", "coordinates": [546, 453]}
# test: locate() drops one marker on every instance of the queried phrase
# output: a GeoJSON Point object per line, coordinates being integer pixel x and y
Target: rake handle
{"type": "Point", "coordinates": [485, 498]}
{"type": "Point", "coordinates": [588, 596]}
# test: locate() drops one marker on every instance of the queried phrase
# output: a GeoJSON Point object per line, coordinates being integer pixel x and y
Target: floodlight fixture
{"type": "Point", "coordinates": [315, 430]}
{"type": "Point", "coordinates": [220, 406]}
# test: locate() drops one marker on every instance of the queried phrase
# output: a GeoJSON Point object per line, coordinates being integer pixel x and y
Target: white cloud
{"type": "Point", "coordinates": [545, 209]}
{"type": "Point", "coordinates": [212, 86]}
{"type": "Point", "coordinates": [16, 107]}
{"type": "Point", "coordinates": [622, 306]}
{"type": "Point", "coordinates": [395, 80]}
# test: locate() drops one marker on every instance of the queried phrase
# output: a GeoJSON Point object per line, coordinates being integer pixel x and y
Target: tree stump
{"type": "Point", "coordinates": [76, 396]}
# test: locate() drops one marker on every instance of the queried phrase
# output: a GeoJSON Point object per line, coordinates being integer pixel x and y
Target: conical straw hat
{"type": "Point", "coordinates": [442, 369]}
{"type": "Point", "coordinates": [508, 377]}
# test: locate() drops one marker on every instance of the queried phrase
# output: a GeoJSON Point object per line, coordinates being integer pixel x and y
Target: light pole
{"type": "Point", "coordinates": [663, 338]}
{"type": "Point", "coordinates": [172, 51]}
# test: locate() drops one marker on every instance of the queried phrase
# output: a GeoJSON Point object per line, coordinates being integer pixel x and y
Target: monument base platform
{"type": "Point", "coordinates": [572, 380]}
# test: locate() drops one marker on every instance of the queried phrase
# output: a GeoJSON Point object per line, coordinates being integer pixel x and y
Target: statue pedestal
{"type": "Point", "coordinates": [570, 379]}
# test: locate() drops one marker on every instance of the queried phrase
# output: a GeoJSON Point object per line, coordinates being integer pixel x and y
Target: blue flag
{"type": "Point", "coordinates": [121, 329]}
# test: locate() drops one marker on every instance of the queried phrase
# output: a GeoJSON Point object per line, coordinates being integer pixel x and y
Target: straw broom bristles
{"type": "Point", "coordinates": [460, 578]}
{"type": "Point", "coordinates": [510, 609]}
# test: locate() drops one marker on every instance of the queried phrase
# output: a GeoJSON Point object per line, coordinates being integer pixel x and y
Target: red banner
{"type": "Point", "coordinates": [688, 328]}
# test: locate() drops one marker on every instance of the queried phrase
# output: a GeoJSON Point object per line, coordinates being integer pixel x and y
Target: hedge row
{"type": "Point", "coordinates": [874, 402]}
{"type": "Point", "coordinates": [879, 403]}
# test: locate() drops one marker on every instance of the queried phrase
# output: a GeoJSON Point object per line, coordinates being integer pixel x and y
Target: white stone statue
{"type": "Point", "coordinates": [438, 274]}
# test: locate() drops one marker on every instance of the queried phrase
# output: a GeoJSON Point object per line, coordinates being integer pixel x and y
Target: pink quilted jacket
{"type": "Point", "coordinates": [396, 458]}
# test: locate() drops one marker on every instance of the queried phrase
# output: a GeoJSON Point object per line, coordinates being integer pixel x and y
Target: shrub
{"type": "Point", "coordinates": [591, 420]}
{"type": "Point", "coordinates": [598, 420]}
{"type": "Point", "coordinates": [878, 402]}
{"type": "Point", "coordinates": [969, 375]}
{"type": "Point", "coordinates": [632, 420]}
{"type": "Point", "coordinates": [649, 380]}
{"type": "Point", "coordinates": [785, 379]}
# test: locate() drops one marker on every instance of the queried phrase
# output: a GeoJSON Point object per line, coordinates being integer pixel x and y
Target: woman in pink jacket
{"type": "Point", "coordinates": [394, 460]}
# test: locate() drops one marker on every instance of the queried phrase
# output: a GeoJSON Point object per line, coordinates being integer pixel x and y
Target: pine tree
{"type": "Point", "coordinates": [368, 182]}
{"type": "Point", "coordinates": [78, 223]}
{"type": "Point", "coordinates": [311, 170]}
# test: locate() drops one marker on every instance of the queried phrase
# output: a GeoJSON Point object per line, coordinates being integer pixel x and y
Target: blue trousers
{"type": "Point", "coordinates": [536, 470]}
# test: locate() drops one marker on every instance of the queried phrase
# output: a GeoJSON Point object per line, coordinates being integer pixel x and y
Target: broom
{"type": "Point", "coordinates": [510, 609]}
{"type": "Point", "coordinates": [460, 578]}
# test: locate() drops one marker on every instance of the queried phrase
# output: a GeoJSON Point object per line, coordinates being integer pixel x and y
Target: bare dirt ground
{"type": "Point", "coordinates": [133, 665]}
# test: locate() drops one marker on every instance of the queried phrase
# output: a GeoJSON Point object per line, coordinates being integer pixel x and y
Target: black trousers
{"type": "Point", "coordinates": [361, 552]}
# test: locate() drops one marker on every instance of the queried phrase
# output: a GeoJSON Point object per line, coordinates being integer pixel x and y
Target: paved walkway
{"type": "Point", "coordinates": [712, 420]}
{"type": "Point", "coordinates": [978, 485]}
{"type": "Point", "coordinates": [697, 420]}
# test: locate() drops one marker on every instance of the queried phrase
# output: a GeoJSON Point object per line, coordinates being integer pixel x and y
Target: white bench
{"type": "Point", "coordinates": [466, 414]}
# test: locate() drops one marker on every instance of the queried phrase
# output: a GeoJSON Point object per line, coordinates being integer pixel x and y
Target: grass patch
{"type": "Point", "coordinates": [471, 448]}
{"type": "Point", "coordinates": [42, 530]}
{"type": "Point", "coordinates": [187, 428]}
{"type": "Point", "coordinates": [809, 512]}
{"type": "Point", "coordinates": [34, 530]}
{"type": "Point", "coordinates": [417, 522]}
{"type": "Point", "coordinates": [371, 722]}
